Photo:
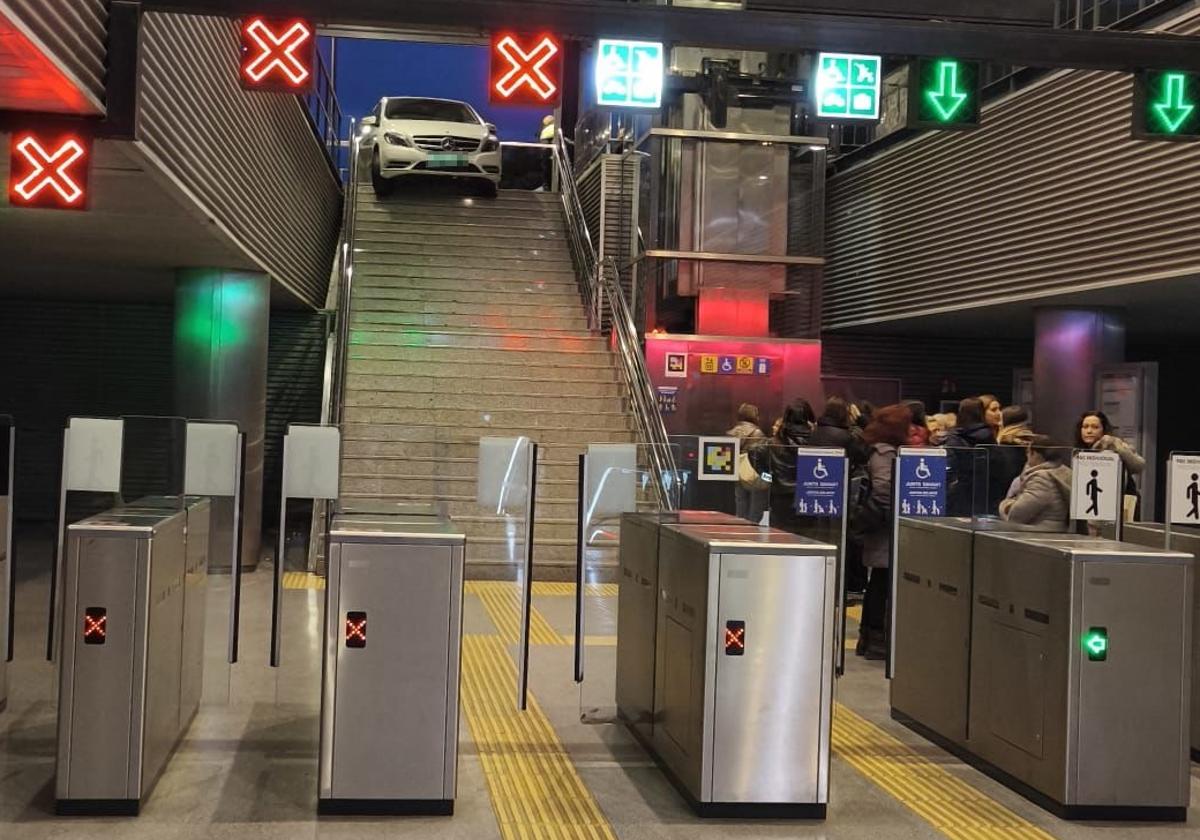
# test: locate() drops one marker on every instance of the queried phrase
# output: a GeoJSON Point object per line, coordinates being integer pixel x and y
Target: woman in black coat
{"type": "Point", "coordinates": [795, 430]}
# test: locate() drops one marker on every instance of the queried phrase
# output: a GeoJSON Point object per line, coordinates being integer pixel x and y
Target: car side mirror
{"type": "Point", "coordinates": [370, 121]}
{"type": "Point", "coordinates": [490, 127]}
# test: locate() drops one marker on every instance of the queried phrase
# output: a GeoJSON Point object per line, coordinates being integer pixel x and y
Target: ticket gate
{"type": "Point", "coordinates": [131, 662]}
{"type": "Point", "coordinates": [1079, 664]}
{"type": "Point", "coordinates": [393, 642]}
{"type": "Point", "coordinates": [743, 664]}
{"type": "Point", "coordinates": [1184, 539]}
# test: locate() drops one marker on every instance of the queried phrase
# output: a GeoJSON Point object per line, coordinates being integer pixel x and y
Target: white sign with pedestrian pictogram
{"type": "Point", "coordinates": [1096, 487]}
{"type": "Point", "coordinates": [1184, 482]}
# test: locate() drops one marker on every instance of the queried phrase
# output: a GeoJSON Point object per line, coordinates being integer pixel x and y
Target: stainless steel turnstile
{"type": "Point", "coordinates": [1187, 540]}
{"type": "Point", "coordinates": [131, 660]}
{"type": "Point", "coordinates": [637, 604]}
{"type": "Point", "coordinates": [390, 690]}
{"type": "Point", "coordinates": [1080, 673]}
{"type": "Point", "coordinates": [743, 658]}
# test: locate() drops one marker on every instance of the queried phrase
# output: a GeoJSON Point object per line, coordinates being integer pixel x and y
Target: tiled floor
{"type": "Point", "coordinates": [247, 767]}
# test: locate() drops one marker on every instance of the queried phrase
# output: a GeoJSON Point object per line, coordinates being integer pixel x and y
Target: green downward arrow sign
{"type": "Point", "coordinates": [1171, 108]}
{"type": "Point", "coordinates": [947, 99]}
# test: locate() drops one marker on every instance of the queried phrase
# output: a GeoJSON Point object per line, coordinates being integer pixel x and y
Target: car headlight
{"type": "Point", "coordinates": [491, 144]}
{"type": "Point", "coordinates": [397, 140]}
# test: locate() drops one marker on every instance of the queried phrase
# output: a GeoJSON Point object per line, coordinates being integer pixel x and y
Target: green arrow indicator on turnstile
{"type": "Point", "coordinates": [948, 98]}
{"type": "Point", "coordinates": [1095, 644]}
{"type": "Point", "coordinates": [1171, 108]}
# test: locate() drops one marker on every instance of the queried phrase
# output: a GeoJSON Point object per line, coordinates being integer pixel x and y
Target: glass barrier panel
{"type": "Point", "coordinates": [624, 494]}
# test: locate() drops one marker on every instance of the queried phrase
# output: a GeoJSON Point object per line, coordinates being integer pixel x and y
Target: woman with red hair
{"type": "Point", "coordinates": [887, 432]}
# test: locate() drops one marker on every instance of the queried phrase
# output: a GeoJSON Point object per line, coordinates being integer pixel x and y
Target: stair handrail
{"type": "Point", "coordinates": [600, 281]}
{"type": "Point", "coordinates": [345, 276]}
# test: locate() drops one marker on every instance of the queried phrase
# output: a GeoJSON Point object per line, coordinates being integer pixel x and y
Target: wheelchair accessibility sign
{"type": "Point", "coordinates": [921, 474]}
{"type": "Point", "coordinates": [821, 483]}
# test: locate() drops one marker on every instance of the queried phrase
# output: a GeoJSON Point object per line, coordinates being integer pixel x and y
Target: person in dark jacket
{"type": "Point", "coordinates": [887, 432]}
{"type": "Point", "coordinates": [967, 488]}
{"type": "Point", "coordinates": [795, 430]}
{"type": "Point", "coordinates": [833, 429]}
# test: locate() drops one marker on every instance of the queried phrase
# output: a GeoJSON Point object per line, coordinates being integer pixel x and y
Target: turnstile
{"type": "Point", "coordinates": [743, 658]}
{"type": "Point", "coordinates": [637, 603]}
{"type": "Point", "coordinates": [390, 690]}
{"type": "Point", "coordinates": [1184, 539]}
{"type": "Point", "coordinates": [1080, 673]}
{"type": "Point", "coordinates": [132, 652]}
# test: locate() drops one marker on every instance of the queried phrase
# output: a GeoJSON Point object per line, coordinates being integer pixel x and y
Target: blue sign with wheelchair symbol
{"type": "Point", "coordinates": [820, 485]}
{"type": "Point", "coordinates": [922, 478]}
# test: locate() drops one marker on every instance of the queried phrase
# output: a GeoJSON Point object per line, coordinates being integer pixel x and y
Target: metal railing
{"type": "Point", "coordinates": [341, 353]}
{"type": "Point", "coordinates": [325, 113]}
{"type": "Point", "coordinates": [600, 288]}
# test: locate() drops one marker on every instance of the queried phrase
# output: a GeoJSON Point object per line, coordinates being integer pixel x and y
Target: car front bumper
{"type": "Point", "coordinates": [395, 161]}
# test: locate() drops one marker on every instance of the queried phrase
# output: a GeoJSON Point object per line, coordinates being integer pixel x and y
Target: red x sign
{"type": "Point", "coordinates": [277, 55]}
{"type": "Point", "coordinates": [48, 172]}
{"type": "Point", "coordinates": [526, 70]}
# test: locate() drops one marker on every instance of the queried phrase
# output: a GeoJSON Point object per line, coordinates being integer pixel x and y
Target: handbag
{"type": "Point", "coordinates": [749, 477]}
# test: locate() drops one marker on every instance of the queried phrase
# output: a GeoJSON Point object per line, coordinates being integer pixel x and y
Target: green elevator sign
{"type": "Point", "coordinates": [1095, 644]}
{"type": "Point", "coordinates": [943, 93]}
{"type": "Point", "coordinates": [1166, 105]}
{"type": "Point", "coordinates": [848, 86]}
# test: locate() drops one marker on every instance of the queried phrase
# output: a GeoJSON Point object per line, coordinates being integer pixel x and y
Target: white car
{"type": "Point", "coordinates": [408, 135]}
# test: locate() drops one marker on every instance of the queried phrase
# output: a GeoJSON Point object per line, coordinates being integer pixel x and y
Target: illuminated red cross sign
{"type": "Point", "coordinates": [277, 55]}
{"type": "Point", "coordinates": [526, 71]}
{"type": "Point", "coordinates": [356, 629]}
{"type": "Point", "coordinates": [48, 173]}
{"type": "Point", "coordinates": [95, 625]}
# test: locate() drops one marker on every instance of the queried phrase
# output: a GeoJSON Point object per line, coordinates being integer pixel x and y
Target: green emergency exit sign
{"type": "Point", "coordinates": [943, 93]}
{"type": "Point", "coordinates": [848, 86]}
{"type": "Point", "coordinates": [1166, 105]}
{"type": "Point", "coordinates": [1095, 644]}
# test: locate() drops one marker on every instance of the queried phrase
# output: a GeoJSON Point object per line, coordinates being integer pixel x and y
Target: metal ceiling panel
{"type": "Point", "coordinates": [1050, 196]}
{"type": "Point", "coordinates": [248, 159]}
{"type": "Point", "coordinates": [70, 36]}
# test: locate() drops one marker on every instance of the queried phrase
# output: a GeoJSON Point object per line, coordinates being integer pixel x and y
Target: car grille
{"type": "Point", "coordinates": [436, 143]}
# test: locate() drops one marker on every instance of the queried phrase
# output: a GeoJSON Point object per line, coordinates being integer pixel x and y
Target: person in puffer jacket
{"type": "Point", "coordinates": [1043, 493]}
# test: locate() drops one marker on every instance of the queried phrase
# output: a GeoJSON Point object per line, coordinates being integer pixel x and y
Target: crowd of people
{"type": "Point", "coordinates": [997, 465]}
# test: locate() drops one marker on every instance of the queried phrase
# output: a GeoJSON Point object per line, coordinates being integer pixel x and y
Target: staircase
{"type": "Point", "coordinates": [467, 322]}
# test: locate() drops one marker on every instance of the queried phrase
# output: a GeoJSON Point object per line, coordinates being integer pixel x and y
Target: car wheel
{"type": "Point", "coordinates": [489, 189]}
{"type": "Point", "coordinates": [381, 185]}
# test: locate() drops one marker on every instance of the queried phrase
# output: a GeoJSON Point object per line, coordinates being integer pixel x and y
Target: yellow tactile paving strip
{"type": "Point", "coordinates": [535, 790]}
{"type": "Point", "coordinates": [945, 801]}
{"type": "Point", "coordinates": [302, 580]}
{"type": "Point", "coordinates": [502, 600]}
{"type": "Point", "coordinates": [547, 587]}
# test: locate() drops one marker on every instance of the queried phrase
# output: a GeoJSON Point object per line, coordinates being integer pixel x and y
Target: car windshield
{"type": "Point", "coordinates": [433, 110]}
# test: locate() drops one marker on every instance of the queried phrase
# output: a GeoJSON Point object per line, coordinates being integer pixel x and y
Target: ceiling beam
{"type": "Point", "coordinates": [748, 30]}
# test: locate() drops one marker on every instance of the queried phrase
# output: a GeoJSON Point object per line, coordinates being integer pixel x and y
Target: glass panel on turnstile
{"type": "Point", "coordinates": [506, 495]}
{"type": "Point", "coordinates": [615, 481]}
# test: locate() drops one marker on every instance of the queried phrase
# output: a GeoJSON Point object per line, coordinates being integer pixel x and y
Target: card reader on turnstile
{"type": "Point", "coordinates": [393, 641]}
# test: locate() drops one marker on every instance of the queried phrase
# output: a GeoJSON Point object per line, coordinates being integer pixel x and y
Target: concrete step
{"type": "Point", "coordinates": [394, 438]}
{"type": "Point", "coordinates": [534, 246]}
{"type": "Point", "coordinates": [436, 445]}
{"type": "Point", "coordinates": [479, 403]}
{"type": "Point", "coordinates": [549, 489]}
{"type": "Point", "coordinates": [458, 505]}
{"type": "Point", "coordinates": [467, 338]}
{"type": "Point", "coordinates": [532, 420]}
{"type": "Point", "coordinates": [448, 278]}
{"type": "Point", "coordinates": [413, 257]}
{"type": "Point", "coordinates": [498, 322]}
{"type": "Point", "coordinates": [495, 369]}
{"type": "Point", "coordinates": [574, 324]}
{"type": "Point", "coordinates": [562, 530]}
{"type": "Point", "coordinates": [503, 206]}
{"type": "Point", "coordinates": [558, 306]}
{"type": "Point", "coordinates": [450, 466]}
{"type": "Point", "coordinates": [454, 227]}
{"type": "Point", "coordinates": [441, 383]}
{"type": "Point", "coordinates": [434, 354]}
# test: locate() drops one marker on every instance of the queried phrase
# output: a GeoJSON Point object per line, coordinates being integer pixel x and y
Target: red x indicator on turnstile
{"type": "Point", "coordinates": [95, 625]}
{"type": "Point", "coordinates": [526, 71]}
{"type": "Point", "coordinates": [48, 172]}
{"type": "Point", "coordinates": [277, 55]}
{"type": "Point", "coordinates": [735, 638]}
{"type": "Point", "coordinates": [356, 629]}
